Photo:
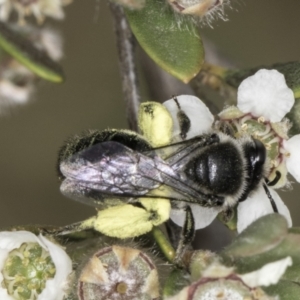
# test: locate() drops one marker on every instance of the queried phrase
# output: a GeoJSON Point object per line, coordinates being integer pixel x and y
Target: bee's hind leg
{"type": "Point", "coordinates": [186, 237]}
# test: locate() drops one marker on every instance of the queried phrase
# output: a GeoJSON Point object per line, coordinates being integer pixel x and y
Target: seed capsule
{"type": "Point", "coordinates": [119, 273]}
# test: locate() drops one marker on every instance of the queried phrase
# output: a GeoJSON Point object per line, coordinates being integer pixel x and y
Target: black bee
{"type": "Point", "coordinates": [213, 170]}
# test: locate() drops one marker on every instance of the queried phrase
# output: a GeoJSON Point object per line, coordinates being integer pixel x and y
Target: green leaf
{"type": "Point", "coordinates": [286, 290]}
{"type": "Point", "coordinates": [290, 246]}
{"type": "Point", "coordinates": [176, 281]}
{"type": "Point", "coordinates": [23, 51]}
{"type": "Point", "coordinates": [261, 236]}
{"type": "Point", "coordinates": [173, 44]}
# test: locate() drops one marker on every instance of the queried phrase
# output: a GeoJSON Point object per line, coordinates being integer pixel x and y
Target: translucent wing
{"type": "Point", "coordinates": [110, 170]}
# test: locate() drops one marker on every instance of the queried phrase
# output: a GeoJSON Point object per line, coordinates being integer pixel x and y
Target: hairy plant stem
{"type": "Point", "coordinates": [126, 50]}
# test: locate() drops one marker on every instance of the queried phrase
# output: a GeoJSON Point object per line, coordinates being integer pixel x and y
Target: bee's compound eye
{"type": "Point", "coordinates": [255, 155]}
{"type": "Point", "coordinates": [259, 155]}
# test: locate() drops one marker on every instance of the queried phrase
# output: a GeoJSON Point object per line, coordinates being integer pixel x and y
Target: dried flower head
{"type": "Point", "coordinates": [119, 273]}
{"type": "Point", "coordinates": [207, 10]}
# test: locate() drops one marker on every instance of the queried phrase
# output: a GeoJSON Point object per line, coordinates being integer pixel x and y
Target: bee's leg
{"type": "Point", "coordinates": [275, 180]}
{"type": "Point", "coordinates": [183, 120]}
{"type": "Point", "coordinates": [274, 206]}
{"type": "Point", "coordinates": [187, 235]}
{"type": "Point", "coordinates": [174, 232]}
{"type": "Point", "coordinates": [227, 215]}
{"type": "Point", "coordinates": [72, 228]}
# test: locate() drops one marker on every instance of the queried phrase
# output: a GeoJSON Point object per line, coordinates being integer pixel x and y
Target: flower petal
{"type": "Point", "coordinates": [203, 215]}
{"type": "Point", "coordinates": [293, 160]}
{"type": "Point", "coordinates": [258, 205]}
{"type": "Point", "coordinates": [265, 94]}
{"type": "Point", "coordinates": [199, 115]}
{"type": "Point", "coordinates": [56, 287]}
{"type": "Point", "coordinates": [268, 274]}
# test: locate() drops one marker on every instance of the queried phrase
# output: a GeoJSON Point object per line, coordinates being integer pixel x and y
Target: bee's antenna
{"type": "Point", "coordinates": [274, 206]}
{"type": "Point", "coordinates": [275, 180]}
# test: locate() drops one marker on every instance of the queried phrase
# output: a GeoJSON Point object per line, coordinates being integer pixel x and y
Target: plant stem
{"type": "Point", "coordinates": [126, 46]}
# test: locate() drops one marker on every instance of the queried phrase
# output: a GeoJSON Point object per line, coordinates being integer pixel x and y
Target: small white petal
{"type": "Point", "coordinates": [55, 288]}
{"type": "Point", "coordinates": [292, 146]}
{"type": "Point", "coordinates": [265, 94]}
{"type": "Point", "coordinates": [200, 117]}
{"type": "Point", "coordinates": [14, 93]}
{"type": "Point", "coordinates": [203, 216]}
{"type": "Point", "coordinates": [258, 205]}
{"type": "Point", "coordinates": [268, 274]}
{"type": "Point", "coordinates": [52, 42]}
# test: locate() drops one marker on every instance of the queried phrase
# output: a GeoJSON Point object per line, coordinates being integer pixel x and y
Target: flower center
{"type": "Point", "coordinates": [264, 131]}
{"type": "Point", "coordinates": [121, 288]}
{"type": "Point", "coordinates": [26, 271]}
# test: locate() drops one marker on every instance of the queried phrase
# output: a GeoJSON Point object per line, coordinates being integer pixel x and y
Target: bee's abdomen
{"type": "Point", "coordinates": [218, 169]}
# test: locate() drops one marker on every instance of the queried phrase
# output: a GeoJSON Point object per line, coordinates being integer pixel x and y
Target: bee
{"type": "Point", "coordinates": [213, 169]}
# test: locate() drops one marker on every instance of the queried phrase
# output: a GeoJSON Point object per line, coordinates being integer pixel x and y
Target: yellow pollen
{"type": "Point", "coordinates": [261, 119]}
{"type": "Point", "coordinates": [287, 154]}
{"type": "Point", "coordinates": [274, 163]}
{"type": "Point", "coordinates": [268, 146]}
{"type": "Point", "coordinates": [244, 127]}
{"type": "Point", "coordinates": [220, 294]}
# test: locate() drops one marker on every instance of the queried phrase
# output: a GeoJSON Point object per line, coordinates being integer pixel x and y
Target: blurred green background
{"type": "Point", "coordinates": [258, 32]}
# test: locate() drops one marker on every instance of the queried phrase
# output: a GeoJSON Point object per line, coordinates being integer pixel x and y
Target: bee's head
{"type": "Point", "coordinates": [255, 155]}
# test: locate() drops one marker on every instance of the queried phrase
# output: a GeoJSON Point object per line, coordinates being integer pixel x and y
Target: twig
{"type": "Point", "coordinates": [126, 47]}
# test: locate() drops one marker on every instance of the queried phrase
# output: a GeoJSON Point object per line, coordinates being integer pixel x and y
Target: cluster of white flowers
{"type": "Point", "coordinates": [266, 99]}
{"type": "Point", "coordinates": [18, 83]}
{"type": "Point", "coordinates": [39, 8]}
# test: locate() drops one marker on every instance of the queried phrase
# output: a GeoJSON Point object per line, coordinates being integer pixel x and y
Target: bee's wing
{"type": "Point", "coordinates": [177, 155]}
{"type": "Point", "coordinates": [110, 170]}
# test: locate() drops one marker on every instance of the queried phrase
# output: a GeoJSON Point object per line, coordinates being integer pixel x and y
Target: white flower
{"type": "Point", "coordinates": [19, 244]}
{"type": "Point", "coordinates": [258, 205]}
{"type": "Point", "coordinates": [39, 8]}
{"type": "Point", "coordinates": [292, 147]}
{"type": "Point", "coordinates": [255, 206]}
{"type": "Point", "coordinates": [265, 94]}
{"type": "Point", "coordinates": [220, 282]}
{"type": "Point", "coordinates": [268, 274]}
{"type": "Point", "coordinates": [193, 107]}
